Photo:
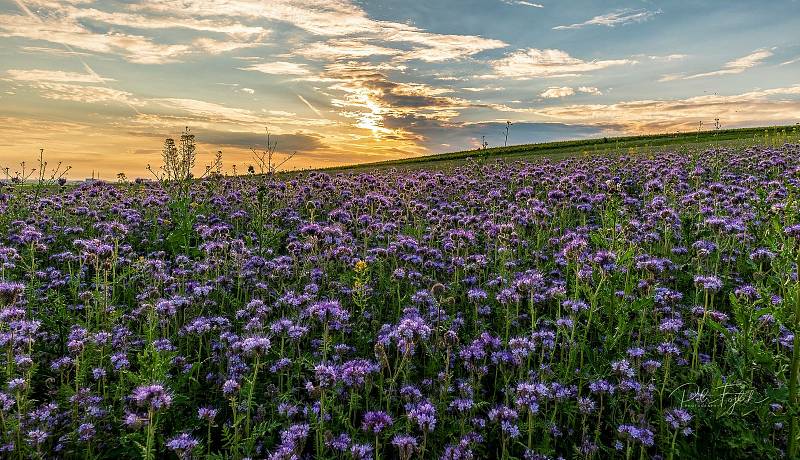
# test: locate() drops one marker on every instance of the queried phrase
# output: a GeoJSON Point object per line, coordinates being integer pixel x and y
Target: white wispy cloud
{"type": "Point", "coordinates": [555, 92]}
{"type": "Point", "coordinates": [210, 111]}
{"type": "Point", "coordinates": [72, 86]}
{"type": "Point", "coordinates": [735, 66]}
{"type": "Point", "coordinates": [590, 90]}
{"type": "Point", "coordinates": [308, 104]}
{"type": "Point", "coordinates": [279, 68]}
{"type": "Point", "coordinates": [613, 19]}
{"type": "Point", "coordinates": [535, 62]}
{"type": "Point", "coordinates": [37, 75]}
{"type": "Point", "coordinates": [668, 57]}
{"type": "Point", "coordinates": [523, 3]}
{"type": "Point", "coordinates": [349, 48]}
{"type": "Point", "coordinates": [87, 94]}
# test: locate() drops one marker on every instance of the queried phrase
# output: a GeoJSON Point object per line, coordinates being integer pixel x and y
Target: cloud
{"type": "Point", "coordinates": [437, 47]}
{"type": "Point", "coordinates": [52, 51]}
{"type": "Point", "coordinates": [523, 3]}
{"type": "Point", "coordinates": [279, 68]}
{"type": "Point", "coordinates": [671, 77]}
{"type": "Point", "coordinates": [69, 32]}
{"type": "Point", "coordinates": [791, 61]}
{"type": "Point", "coordinates": [668, 57]}
{"type": "Point", "coordinates": [248, 90]}
{"type": "Point", "coordinates": [229, 27]}
{"type": "Point", "coordinates": [67, 24]}
{"type": "Point", "coordinates": [38, 75]}
{"type": "Point", "coordinates": [334, 19]}
{"type": "Point", "coordinates": [70, 86]}
{"type": "Point", "coordinates": [210, 111]}
{"type": "Point", "coordinates": [555, 92]}
{"type": "Point", "coordinates": [290, 142]}
{"type": "Point", "coordinates": [338, 49]}
{"type": "Point", "coordinates": [85, 94]}
{"type": "Point", "coordinates": [775, 105]}
{"type": "Point", "coordinates": [590, 90]}
{"type": "Point", "coordinates": [308, 104]}
{"type": "Point", "coordinates": [615, 18]}
{"type": "Point", "coordinates": [736, 66]}
{"type": "Point", "coordinates": [535, 62]}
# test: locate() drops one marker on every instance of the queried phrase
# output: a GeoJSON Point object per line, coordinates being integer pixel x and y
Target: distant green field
{"type": "Point", "coordinates": [772, 135]}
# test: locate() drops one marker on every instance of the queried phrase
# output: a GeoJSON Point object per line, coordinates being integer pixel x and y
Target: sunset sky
{"type": "Point", "coordinates": [100, 84]}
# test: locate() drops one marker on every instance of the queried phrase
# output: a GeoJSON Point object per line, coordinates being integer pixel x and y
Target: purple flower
{"type": "Point", "coordinates": [183, 444]}
{"type": "Point", "coordinates": [230, 387]}
{"type": "Point", "coordinates": [86, 431]}
{"type": "Point", "coordinates": [793, 231]}
{"type": "Point", "coordinates": [376, 422]}
{"type": "Point", "coordinates": [677, 418]}
{"type": "Point", "coordinates": [206, 413]}
{"type": "Point", "coordinates": [154, 396]}
{"type": "Point", "coordinates": [507, 418]}
{"type": "Point", "coordinates": [256, 345]}
{"type": "Point", "coordinates": [586, 405]}
{"type": "Point", "coordinates": [406, 445]}
{"type": "Point", "coordinates": [641, 435]}
{"type": "Point", "coordinates": [354, 373]}
{"type": "Point", "coordinates": [423, 414]}
{"type": "Point", "coordinates": [339, 443]}
{"type": "Point", "coordinates": [328, 312]}
{"type": "Point", "coordinates": [361, 452]}
{"type": "Point", "coordinates": [709, 283]}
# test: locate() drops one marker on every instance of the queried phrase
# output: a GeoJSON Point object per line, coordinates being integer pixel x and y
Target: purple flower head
{"type": "Point", "coordinates": [182, 445]}
{"type": "Point", "coordinates": [86, 432]}
{"type": "Point", "coordinates": [37, 437]}
{"type": "Point", "coordinates": [339, 443]}
{"type": "Point", "coordinates": [256, 345]}
{"type": "Point", "coordinates": [792, 231]}
{"type": "Point", "coordinates": [9, 291]}
{"type": "Point", "coordinates": [708, 283]}
{"type": "Point", "coordinates": [328, 312]}
{"type": "Point", "coordinates": [670, 325]}
{"type": "Point", "coordinates": [154, 396]}
{"type": "Point", "coordinates": [507, 418]}
{"type": "Point", "coordinates": [586, 405]}
{"type": "Point", "coordinates": [354, 373]}
{"type": "Point", "coordinates": [361, 452]}
{"type": "Point", "coordinates": [230, 387]}
{"type": "Point", "coordinates": [423, 414]}
{"type": "Point", "coordinates": [376, 422]}
{"type": "Point", "coordinates": [206, 413]}
{"type": "Point", "coordinates": [406, 445]}
{"type": "Point", "coordinates": [640, 435]}
{"type": "Point", "coordinates": [677, 418]}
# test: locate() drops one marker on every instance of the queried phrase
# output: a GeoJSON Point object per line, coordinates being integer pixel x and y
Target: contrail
{"type": "Point", "coordinates": [86, 66]}
{"type": "Point", "coordinates": [319, 114]}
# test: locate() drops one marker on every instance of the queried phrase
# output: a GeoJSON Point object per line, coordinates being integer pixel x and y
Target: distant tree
{"type": "Point", "coordinates": [265, 157]}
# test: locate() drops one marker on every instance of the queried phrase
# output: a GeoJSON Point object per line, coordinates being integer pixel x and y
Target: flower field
{"type": "Point", "coordinates": [615, 306]}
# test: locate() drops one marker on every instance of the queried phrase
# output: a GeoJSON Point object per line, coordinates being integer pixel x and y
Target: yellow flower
{"type": "Point", "coordinates": [361, 266]}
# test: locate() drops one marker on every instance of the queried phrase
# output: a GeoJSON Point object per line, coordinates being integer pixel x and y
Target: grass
{"type": "Point", "coordinates": [771, 135]}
